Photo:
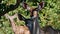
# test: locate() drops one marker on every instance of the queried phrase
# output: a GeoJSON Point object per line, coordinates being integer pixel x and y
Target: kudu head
{"type": "Point", "coordinates": [27, 7]}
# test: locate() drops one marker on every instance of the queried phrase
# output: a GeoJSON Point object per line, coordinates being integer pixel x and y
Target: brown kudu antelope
{"type": "Point", "coordinates": [34, 16]}
{"type": "Point", "coordinates": [17, 29]}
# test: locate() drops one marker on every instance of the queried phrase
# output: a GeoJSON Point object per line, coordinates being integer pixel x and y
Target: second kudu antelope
{"type": "Point", "coordinates": [17, 29]}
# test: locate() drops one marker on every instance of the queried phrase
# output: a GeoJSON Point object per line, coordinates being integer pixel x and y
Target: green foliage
{"type": "Point", "coordinates": [49, 15]}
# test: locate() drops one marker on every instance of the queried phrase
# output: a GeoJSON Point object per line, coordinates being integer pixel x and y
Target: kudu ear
{"type": "Point", "coordinates": [21, 17]}
{"type": "Point", "coordinates": [41, 5]}
{"type": "Point", "coordinates": [24, 4]}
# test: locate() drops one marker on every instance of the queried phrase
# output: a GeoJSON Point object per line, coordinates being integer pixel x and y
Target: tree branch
{"type": "Point", "coordinates": [6, 9]}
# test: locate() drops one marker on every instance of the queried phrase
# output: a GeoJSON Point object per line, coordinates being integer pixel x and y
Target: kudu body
{"type": "Point", "coordinates": [17, 29]}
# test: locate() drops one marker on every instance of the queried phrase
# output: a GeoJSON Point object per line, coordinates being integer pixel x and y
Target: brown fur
{"type": "Point", "coordinates": [17, 29]}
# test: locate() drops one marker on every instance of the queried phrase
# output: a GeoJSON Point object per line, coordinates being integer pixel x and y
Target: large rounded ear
{"type": "Point", "coordinates": [23, 0]}
{"type": "Point", "coordinates": [24, 5]}
{"type": "Point", "coordinates": [41, 5]}
{"type": "Point", "coordinates": [21, 17]}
